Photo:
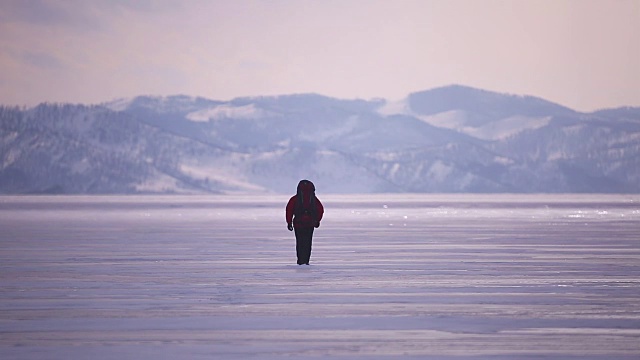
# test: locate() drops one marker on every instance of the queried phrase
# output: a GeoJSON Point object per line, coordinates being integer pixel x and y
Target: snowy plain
{"type": "Point", "coordinates": [391, 277]}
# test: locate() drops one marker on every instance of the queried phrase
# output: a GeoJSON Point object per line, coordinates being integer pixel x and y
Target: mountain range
{"type": "Point", "coordinates": [448, 139]}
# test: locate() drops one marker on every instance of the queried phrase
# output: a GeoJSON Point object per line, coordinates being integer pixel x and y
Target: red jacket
{"type": "Point", "coordinates": [304, 220]}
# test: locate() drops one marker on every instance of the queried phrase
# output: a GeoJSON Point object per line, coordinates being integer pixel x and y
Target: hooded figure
{"type": "Point", "coordinates": [304, 212]}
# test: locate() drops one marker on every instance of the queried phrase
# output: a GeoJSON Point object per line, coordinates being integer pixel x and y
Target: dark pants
{"type": "Point", "coordinates": [303, 244]}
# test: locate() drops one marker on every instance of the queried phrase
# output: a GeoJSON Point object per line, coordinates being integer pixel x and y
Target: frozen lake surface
{"type": "Point", "coordinates": [391, 277]}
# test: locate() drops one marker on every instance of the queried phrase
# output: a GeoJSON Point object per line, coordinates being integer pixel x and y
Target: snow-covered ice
{"type": "Point", "coordinates": [392, 277]}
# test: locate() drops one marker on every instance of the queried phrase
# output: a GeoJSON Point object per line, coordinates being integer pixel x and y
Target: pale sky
{"type": "Point", "coordinates": [584, 54]}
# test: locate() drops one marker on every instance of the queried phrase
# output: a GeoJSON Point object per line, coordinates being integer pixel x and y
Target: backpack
{"type": "Point", "coordinates": [305, 209]}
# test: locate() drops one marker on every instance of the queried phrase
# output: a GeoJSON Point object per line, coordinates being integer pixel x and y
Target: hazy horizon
{"type": "Point", "coordinates": [391, 101]}
{"type": "Point", "coordinates": [580, 54]}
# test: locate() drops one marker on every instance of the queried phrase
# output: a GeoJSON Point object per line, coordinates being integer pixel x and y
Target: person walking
{"type": "Point", "coordinates": [303, 213]}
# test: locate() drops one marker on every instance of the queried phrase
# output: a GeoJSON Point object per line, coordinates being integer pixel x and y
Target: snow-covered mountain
{"type": "Point", "coordinates": [450, 139]}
